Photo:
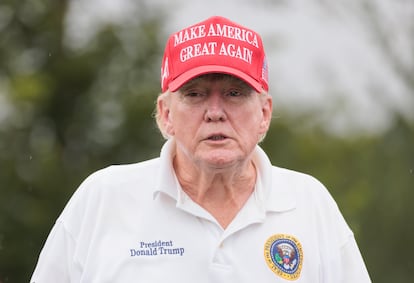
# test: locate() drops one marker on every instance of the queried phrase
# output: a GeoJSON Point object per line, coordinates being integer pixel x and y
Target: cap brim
{"type": "Point", "coordinates": [208, 69]}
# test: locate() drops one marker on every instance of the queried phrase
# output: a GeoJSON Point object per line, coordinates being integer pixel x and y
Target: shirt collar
{"type": "Point", "coordinates": [272, 192]}
{"type": "Point", "coordinates": [167, 180]}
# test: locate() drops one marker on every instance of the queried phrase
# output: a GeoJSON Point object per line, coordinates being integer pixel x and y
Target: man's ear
{"type": "Point", "coordinates": [267, 112]}
{"type": "Point", "coordinates": [165, 117]}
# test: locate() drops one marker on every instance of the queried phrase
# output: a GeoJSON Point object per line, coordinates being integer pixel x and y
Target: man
{"type": "Point", "coordinates": [211, 208]}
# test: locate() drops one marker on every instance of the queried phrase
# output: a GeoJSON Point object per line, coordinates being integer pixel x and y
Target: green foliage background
{"type": "Point", "coordinates": [66, 112]}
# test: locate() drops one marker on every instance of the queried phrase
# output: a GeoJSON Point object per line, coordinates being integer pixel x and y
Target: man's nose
{"type": "Point", "coordinates": [215, 108]}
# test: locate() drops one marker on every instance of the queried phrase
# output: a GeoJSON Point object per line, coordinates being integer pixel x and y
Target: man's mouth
{"type": "Point", "coordinates": [217, 137]}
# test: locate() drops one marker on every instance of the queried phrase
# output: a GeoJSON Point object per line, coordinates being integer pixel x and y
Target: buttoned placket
{"type": "Point", "coordinates": [221, 268]}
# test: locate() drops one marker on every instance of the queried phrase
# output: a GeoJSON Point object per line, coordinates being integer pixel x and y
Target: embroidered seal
{"type": "Point", "coordinates": [284, 256]}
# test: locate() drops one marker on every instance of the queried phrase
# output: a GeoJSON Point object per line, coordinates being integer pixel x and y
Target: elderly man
{"type": "Point", "coordinates": [211, 208]}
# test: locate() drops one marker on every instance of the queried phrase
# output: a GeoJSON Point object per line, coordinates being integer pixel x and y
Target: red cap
{"type": "Point", "coordinates": [216, 45]}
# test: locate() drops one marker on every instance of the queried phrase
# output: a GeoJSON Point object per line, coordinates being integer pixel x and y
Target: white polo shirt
{"type": "Point", "coordinates": [134, 223]}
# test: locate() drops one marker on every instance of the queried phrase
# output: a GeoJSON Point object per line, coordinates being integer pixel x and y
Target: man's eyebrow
{"type": "Point", "coordinates": [188, 86]}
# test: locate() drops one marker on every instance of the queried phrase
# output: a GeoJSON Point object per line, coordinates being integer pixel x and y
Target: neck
{"type": "Point", "coordinates": [221, 192]}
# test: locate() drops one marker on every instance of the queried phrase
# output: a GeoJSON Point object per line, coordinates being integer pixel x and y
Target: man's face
{"type": "Point", "coordinates": [216, 120]}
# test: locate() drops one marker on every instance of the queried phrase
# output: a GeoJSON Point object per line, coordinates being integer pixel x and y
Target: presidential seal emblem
{"type": "Point", "coordinates": [284, 256]}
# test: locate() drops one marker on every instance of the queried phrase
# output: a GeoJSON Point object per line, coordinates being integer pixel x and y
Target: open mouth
{"type": "Point", "coordinates": [217, 137]}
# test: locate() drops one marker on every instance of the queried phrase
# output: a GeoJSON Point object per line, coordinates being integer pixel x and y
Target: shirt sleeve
{"type": "Point", "coordinates": [341, 258]}
{"type": "Point", "coordinates": [56, 262]}
{"type": "Point", "coordinates": [61, 256]}
{"type": "Point", "coordinates": [353, 266]}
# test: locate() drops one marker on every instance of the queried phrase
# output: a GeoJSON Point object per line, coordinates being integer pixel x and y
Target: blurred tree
{"type": "Point", "coordinates": [66, 113]}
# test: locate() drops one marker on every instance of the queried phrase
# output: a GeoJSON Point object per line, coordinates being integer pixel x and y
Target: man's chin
{"type": "Point", "coordinates": [220, 159]}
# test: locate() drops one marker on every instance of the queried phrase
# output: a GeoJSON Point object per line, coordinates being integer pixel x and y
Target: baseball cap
{"type": "Point", "coordinates": [215, 45]}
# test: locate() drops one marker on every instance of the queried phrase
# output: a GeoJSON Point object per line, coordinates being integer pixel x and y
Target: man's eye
{"type": "Point", "coordinates": [193, 94]}
{"type": "Point", "coordinates": [234, 93]}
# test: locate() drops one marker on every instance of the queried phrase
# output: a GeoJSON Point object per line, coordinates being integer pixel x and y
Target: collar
{"type": "Point", "coordinates": [167, 181]}
{"type": "Point", "coordinates": [273, 192]}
